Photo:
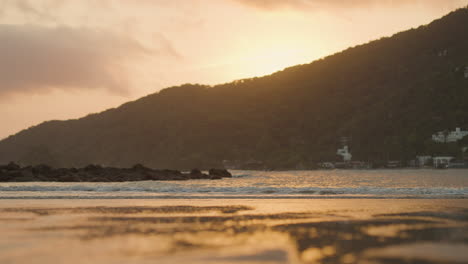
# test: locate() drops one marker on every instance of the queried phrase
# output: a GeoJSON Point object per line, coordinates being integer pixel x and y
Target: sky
{"type": "Point", "coordinates": [64, 59]}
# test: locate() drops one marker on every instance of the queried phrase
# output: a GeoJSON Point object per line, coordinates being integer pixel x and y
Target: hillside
{"type": "Point", "coordinates": [388, 96]}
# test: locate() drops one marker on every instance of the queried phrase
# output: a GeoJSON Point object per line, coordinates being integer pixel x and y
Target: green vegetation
{"type": "Point", "coordinates": [388, 96]}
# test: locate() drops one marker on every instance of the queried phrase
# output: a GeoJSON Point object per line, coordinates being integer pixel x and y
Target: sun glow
{"type": "Point", "coordinates": [269, 58]}
{"type": "Point", "coordinates": [273, 61]}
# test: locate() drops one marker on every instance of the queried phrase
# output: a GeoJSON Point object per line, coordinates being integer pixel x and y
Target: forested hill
{"type": "Point", "coordinates": [387, 96]}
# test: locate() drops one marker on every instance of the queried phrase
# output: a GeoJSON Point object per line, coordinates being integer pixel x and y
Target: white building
{"type": "Point", "coordinates": [423, 160]}
{"type": "Point", "coordinates": [344, 152]}
{"type": "Point", "coordinates": [466, 72]}
{"type": "Point", "coordinates": [443, 53]}
{"type": "Point", "coordinates": [442, 162]}
{"type": "Point", "coordinates": [451, 136]}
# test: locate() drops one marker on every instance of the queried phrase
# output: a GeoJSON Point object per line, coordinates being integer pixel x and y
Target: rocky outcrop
{"type": "Point", "coordinates": [219, 174]}
{"type": "Point", "coordinates": [96, 173]}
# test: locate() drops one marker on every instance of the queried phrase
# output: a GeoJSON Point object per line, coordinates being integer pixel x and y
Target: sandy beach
{"type": "Point", "coordinates": [234, 231]}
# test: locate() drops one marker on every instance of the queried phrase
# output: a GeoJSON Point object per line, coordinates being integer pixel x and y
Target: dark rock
{"type": "Point", "coordinates": [98, 179]}
{"type": "Point", "coordinates": [93, 167]}
{"type": "Point", "coordinates": [95, 173]}
{"type": "Point", "coordinates": [10, 167]}
{"type": "Point", "coordinates": [42, 169]}
{"type": "Point", "coordinates": [69, 178]}
{"type": "Point", "coordinates": [171, 172]}
{"type": "Point", "coordinates": [197, 174]}
{"type": "Point", "coordinates": [21, 176]}
{"type": "Point", "coordinates": [4, 177]}
{"type": "Point", "coordinates": [220, 172]}
{"type": "Point", "coordinates": [24, 179]}
{"type": "Point", "coordinates": [28, 173]}
{"type": "Point", "coordinates": [10, 176]}
{"type": "Point", "coordinates": [119, 177]}
{"type": "Point", "coordinates": [139, 167]}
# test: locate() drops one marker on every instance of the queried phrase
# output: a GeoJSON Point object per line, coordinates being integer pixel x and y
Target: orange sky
{"type": "Point", "coordinates": [64, 59]}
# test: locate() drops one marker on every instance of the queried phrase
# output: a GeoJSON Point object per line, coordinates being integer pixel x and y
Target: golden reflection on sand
{"type": "Point", "coordinates": [232, 231]}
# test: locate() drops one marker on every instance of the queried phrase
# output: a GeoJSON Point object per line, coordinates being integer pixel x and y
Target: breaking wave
{"type": "Point", "coordinates": [104, 188]}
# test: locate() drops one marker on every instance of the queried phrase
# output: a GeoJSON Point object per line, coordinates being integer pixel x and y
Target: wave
{"type": "Point", "coordinates": [237, 197]}
{"type": "Point", "coordinates": [113, 189]}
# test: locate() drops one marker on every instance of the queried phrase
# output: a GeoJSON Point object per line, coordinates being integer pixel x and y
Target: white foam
{"type": "Point", "coordinates": [110, 188]}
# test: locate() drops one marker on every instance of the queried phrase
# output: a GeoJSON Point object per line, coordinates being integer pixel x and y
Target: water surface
{"type": "Point", "coordinates": [451, 184]}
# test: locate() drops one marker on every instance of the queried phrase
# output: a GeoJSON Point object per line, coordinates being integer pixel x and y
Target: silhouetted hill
{"type": "Point", "coordinates": [388, 96]}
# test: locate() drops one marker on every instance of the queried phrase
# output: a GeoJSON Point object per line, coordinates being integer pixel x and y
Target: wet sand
{"type": "Point", "coordinates": [234, 231]}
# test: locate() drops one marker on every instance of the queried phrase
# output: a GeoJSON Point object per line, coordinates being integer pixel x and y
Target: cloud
{"type": "Point", "coordinates": [37, 59]}
{"type": "Point", "coordinates": [41, 12]}
{"type": "Point", "coordinates": [26, 7]}
{"type": "Point", "coordinates": [275, 4]}
{"type": "Point", "coordinates": [326, 4]}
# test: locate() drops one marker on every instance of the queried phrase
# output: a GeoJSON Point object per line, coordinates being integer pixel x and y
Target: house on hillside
{"type": "Point", "coordinates": [442, 162]}
{"type": "Point", "coordinates": [443, 53]}
{"type": "Point", "coordinates": [458, 164]}
{"type": "Point", "coordinates": [344, 153]}
{"type": "Point", "coordinates": [423, 160]}
{"type": "Point", "coordinates": [449, 136]}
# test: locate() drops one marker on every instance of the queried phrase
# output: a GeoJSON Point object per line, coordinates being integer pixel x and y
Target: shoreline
{"type": "Point", "coordinates": [238, 197]}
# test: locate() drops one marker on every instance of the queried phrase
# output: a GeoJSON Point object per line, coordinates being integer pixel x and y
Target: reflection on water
{"type": "Point", "coordinates": [267, 232]}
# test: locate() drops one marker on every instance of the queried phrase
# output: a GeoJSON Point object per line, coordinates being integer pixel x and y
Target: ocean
{"type": "Point", "coordinates": [411, 183]}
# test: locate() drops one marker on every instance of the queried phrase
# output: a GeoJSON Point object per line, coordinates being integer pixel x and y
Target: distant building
{"type": "Point", "coordinates": [449, 136]}
{"type": "Point", "coordinates": [466, 72]}
{"type": "Point", "coordinates": [412, 163]}
{"type": "Point", "coordinates": [393, 164]}
{"type": "Point", "coordinates": [359, 165]}
{"type": "Point", "coordinates": [443, 53]}
{"type": "Point", "coordinates": [442, 162]}
{"type": "Point", "coordinates": [423, 160]}
{"type": "Point", "coordinates": [326, 165]}
{"type": "Point", "coordinates": [344, 152]}
{"type": "Point", "coordinates": [458, 164]}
